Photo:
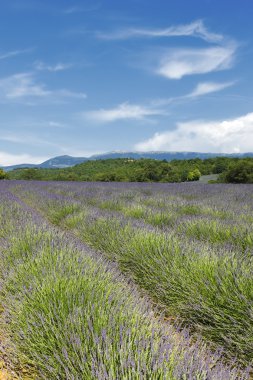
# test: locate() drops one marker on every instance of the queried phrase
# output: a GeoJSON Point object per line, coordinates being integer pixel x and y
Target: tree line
{"type": "Point", "coordinates": [230, 170]}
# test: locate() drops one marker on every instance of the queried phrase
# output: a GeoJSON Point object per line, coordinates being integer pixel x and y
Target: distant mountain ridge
{"type": "Point", "coordinates": [68, 161]}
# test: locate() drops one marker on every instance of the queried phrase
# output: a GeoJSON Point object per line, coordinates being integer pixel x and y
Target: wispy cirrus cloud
{"type": "Point", "coordinates": [13, 53]}
{"type": "Point", "coordinates": [56, 124]}
{"type": "Point", "coordinates": [205, 88]}
{"type": "Point", "coordinates": [21, 85]}
{"type": "Point", "coordinates": [41, 66]}
{"type": "Point", "coordinates": [26, 139]}
{"type": "Point", "coordinates": [76, 9]}
{"type": "Point", "coordinates": [24, 86]}
{"type": "Point", "coordinates": [201, 89]}
{"type": "Point", "coordinates": [124, 111]}
{"type": "Point", "coordinates": [7, 159]}
{"type": "Point", "coordinates": [157, 107]}
{"type": "Point", "coordinates": [178, 63]}
{"type": "Point", "coordinates": [71, 10]}
{"type": "Point", "coordinates": [194, 29]}
{"type": "Point", "coordinates": [224, 136]}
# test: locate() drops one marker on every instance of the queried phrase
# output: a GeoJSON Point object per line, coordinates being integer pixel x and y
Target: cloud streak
{"type": "Point", "coordinates": [7, 159]}
{"type": "Point", "coordinates": [41, 66]}
{"type": "Point", "coordinates": [201, 89]}
{"type": "Point", "coordinates": [178, 63]}
{"type": "Point", "coordinates": [205, 88]}
{"type": "Point", "coordinates": [20, 86]}
{"type": "Point", "coordinates": [26, 139]}
{"type": "Point", "coordinates": [13, 53]}
{"type": "Point", "coordinates": [227, 136]}
{"type": "Point", "coordinates": [127, 111]}
{"type": "Point", "coordinates": [124, 111]}
{"type": "Point", "coordinates": [24, 86]}
{"type": "Point", "coordinates": [75, 9]}
{"type": "Point", "coordinates": [194, 29]}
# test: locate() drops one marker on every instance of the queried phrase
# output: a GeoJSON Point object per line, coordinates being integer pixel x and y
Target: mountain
{"type": "Point", "coordinates": [20, 166]}
{"type": "Point", "coordinates": [163, 155]}
{"type": "Point", "coordinates": [68, 161]}
{"type": "Point", "coordinates": [56, 162]}
{"type": "Point", "coordinates": [62, 162]}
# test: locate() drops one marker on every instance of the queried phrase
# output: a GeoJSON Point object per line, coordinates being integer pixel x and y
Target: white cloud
{"type": "Point", "coordinates": [177, 63]}
{"type": "Point", "coordinates": [180, 62]}
{"type": "Point", "coordinates": [201, 89]}
{"type": "Point", "coordinates": [195, 29]}
{"type": "Point", "coordinates": [21, 85]}
{"type": "Point", "coordinates": [7, 159]}
{"type": "Point", "coordinates": [26, 139]}
{"type": "Point", "coordinates": [39, 65]}
{"type": "Point", "coordinates": [156, 107]}
{"type": "Point", "coordinates": [56, 124]}
{"type": "Point", "coordinates": [205, 88]}
{"type": "Point", "coordinates": [13, 53]}
{"type": "Point", "coordinates": [228, 136]}
{"type": "Point", "coordinates": [88, 8]}
{"type": "Point", "coordinates": [69, 94]}
{"type": "Point", "coordinates": [24, 85]}
{"type": "Point", "coordinates": [72, 10]}
{"type": "Point", "coordinates": [123, 111]}
{"type": "Point", "coordinates": [79, 153]}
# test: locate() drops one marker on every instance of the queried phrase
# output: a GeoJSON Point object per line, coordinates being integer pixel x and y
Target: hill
{"type": "Point", "coordinates": [68, 161]}
{"type": "Point", "coordinates": [120, 169]}
{"type": "Point", "coordinates": [229, 169]}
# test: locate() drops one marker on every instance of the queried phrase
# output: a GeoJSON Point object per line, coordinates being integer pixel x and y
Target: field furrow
{"type": "Point", "coordinates": [97, 292]}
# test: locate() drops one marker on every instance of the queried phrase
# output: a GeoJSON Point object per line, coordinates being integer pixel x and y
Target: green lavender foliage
{"type": "Point", "coordinates": [192, 256]}
{"type": "Point", "coordinates": [70, 314]}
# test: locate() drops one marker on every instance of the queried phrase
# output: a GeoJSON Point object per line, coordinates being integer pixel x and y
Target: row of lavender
{"type": "Point", "coordinates": [70, 314]}
{"type": "Point", "coordinates": [189, 246]}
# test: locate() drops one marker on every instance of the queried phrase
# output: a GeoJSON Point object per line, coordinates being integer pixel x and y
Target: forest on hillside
{"type": "Point", "coordinates": [229, 170]}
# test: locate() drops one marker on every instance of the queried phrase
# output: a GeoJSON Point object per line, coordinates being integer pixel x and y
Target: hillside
{"type": "Point", "coordinates": [144, 170]}
{"type": "Point", "coordinates": [68, 161]}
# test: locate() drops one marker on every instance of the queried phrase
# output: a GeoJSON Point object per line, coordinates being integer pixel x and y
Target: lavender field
{"type": "Point", "coordinates": [126, 281]}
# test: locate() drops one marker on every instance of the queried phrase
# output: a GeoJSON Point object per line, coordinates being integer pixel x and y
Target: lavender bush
{"type": "Point", "coordinates": [71, 314]}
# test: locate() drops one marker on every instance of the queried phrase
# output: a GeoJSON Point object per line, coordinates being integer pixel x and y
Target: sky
{"type": "Point", "coordinates": [82, 77]}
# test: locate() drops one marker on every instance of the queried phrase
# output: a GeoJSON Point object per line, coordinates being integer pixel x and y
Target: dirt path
{"type": "Point", "coordinates": [6, 373]}
{"type": "Point", "coordinates": [8, 369]}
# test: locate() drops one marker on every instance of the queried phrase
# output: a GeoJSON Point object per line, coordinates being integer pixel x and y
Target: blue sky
{"type": "Point", "coordinates": [84, 77]}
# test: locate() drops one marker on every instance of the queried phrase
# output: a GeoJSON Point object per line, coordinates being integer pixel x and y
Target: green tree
{"type": "Point", "coordinates": [220, 165]}
{"type": "Point", "coordinates": [31, 173]}
{"type": "Point", "coordinates": [240, 172]}
{"type": "Point", "coordinates": [3, 175]}
{"type": "Point", "coordinates": [194, 175]}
